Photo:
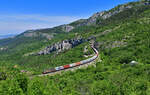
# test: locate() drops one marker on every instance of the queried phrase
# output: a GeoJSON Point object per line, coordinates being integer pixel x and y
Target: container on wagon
{"type": "Point", "coordinates": [78, 63]}
{"type": "Point", "coordinates": [66, 66]}
{"type": "Point", "coordinates": [72, 65]}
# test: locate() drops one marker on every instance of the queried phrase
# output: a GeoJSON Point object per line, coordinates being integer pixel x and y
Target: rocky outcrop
{"type": "Point", "coordinates": [147, 2]}
{"type": "Point", "coordinates": [118, 10]}
{"type": "Point", "coordinates": [30, 34]}
{"type": "Point", "coordinates": [61, 46]}
{"type": "Point", "coordinates": [48, 36]}
{"type": "Point", "coordinates": [38, 34]}
{"type": "Point", "coordinates": [92, 19]}
{"type": "Point", "coordinates": [3, 49]}
{"type": "Point", "coordinates": [107, 14]}
{"type": "Point", "coordinates": [67, 28]}
{"type": "Point", "coordinates": [103, 15]}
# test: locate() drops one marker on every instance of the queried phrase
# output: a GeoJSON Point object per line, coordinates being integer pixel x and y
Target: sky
{"type": "Point", "coordinates": [16, 16]}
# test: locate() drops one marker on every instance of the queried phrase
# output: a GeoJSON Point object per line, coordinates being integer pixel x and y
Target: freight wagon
{"type": "Point", "coordinates": [73, 64]}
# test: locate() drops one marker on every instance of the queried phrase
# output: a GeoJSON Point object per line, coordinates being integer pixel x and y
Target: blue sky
{"type": "Point", "coordinates": [16, 16]}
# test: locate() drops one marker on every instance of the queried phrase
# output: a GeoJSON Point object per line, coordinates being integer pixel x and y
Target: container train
{"type": "Point", "coordinates": [73, 64]}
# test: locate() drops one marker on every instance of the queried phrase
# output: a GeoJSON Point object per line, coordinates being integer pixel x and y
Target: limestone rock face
{"type": "Point", "coordinates": [48, 36]}
{"type": "Point", "coordinates": [67, 28]}
{"type": "Point", "coordinates": [120, 9]}
{"type": "Point", "coordinates": [61, 46]}
{"type": "Point", "coordinates": [66, 45]}
{"type": "Point", "coordinates": [30, 34]}
{"type": "Point", "coordinates": [35, 34]}
{"type": "Point", "coordinates": [3, 49]}
{"type": "Point", "coordinates": [103, 15]}
{"type": "Point", "coordinates": [92, 19]}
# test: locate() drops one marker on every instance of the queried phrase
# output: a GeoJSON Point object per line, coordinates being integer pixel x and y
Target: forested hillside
{"type": "Point", "coordinates": [122, 36]}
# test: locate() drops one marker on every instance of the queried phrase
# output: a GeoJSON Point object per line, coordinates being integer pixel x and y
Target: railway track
{"type": "Point", "coordinates": [72, 66]}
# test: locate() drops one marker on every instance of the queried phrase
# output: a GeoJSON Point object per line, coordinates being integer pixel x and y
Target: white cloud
{"type": "Point", "coordinates": [14, 24]}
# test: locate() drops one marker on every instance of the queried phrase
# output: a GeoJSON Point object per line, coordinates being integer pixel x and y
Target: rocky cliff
{"type": "Point", "coordinates": [38, 34]}
{"type": "Point", "coordinates": [103, 15]}
{"type": "Point", "coordinates": [67, 28]}
{"type": "Point", "coordinates": [61, 46]}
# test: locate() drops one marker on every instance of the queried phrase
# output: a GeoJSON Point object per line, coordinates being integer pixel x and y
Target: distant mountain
{"type": "Point", "coordinates": [7, 36]}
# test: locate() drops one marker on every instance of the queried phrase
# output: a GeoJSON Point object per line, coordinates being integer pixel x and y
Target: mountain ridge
{"type": "Point", "coordinates": [69, 27]}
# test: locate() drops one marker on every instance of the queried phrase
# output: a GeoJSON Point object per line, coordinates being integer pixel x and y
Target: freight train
{"type": "Point", "coordinates": [73, 64]}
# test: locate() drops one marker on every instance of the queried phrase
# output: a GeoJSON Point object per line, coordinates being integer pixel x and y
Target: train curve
{"type": "Point", "coordinates": [73, 65]}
